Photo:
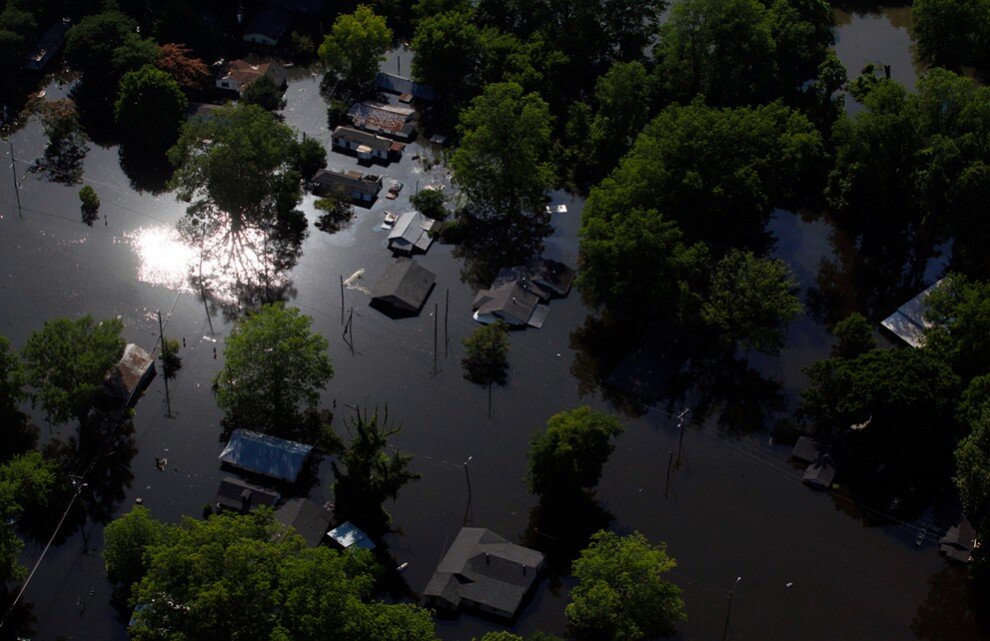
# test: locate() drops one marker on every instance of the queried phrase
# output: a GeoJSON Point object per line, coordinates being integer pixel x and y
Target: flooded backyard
{"type": "Point", "coordinates": [735, 506]}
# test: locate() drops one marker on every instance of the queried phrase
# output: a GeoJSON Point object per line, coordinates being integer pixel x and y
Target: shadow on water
{"type": "Point", "coordinates": [20, 624]}
{"type": "Point", "coordinates": [148, 171]}
{"type": "Point", "coordinates": [634, 371]}
{"type": "Point", "coordinates": [63, 163]}
{"type": "Point", "coordinates": [561, 531]}
{"type": "Point", "coordinates": [95, 112]}
{"type": "Point", "coordinates": [488, 245]}
{"type": "Point", "coordinates": [953, 609]}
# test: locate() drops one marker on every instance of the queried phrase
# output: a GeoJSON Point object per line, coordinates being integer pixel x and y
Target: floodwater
{"type": "Point", "coordinates": [735, 507]}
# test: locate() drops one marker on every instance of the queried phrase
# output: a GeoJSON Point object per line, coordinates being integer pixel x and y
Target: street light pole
{"type": "Point", "coordinates": [728, 610]}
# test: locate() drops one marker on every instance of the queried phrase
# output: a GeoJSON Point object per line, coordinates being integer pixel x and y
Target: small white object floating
{"type": "Point", "coordinates": [556, 209]}
{"type": "Point", "coordinates": [789, 584]}
{"type": "Point", "coordinates": [402, 567]}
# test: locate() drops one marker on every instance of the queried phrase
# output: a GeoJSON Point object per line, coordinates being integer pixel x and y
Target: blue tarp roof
{"type": "Point", "coordinates": [267, 455]}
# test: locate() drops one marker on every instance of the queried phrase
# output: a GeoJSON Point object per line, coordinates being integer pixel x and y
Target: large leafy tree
{"type": "Point", "coordinates": [951, 33]}
{"type": "Point", "coordinates": [105, 46]}
{"type": "Point", "coordinates": [501, 164]}
{"type": "Point", "coordinates": [367, 475]}
{"type": "Point", "coordinates": [265, 93]}
{"type": "Point", "coordinates": [356, 45]}
{"type": "Point", "coordinates": [26, 486]}
{"type": "Point", "coordinates": [959, 313]}
{"type": "Point", "coordinates": [150, 108]}
{"type": "Point", "coordinates": [717, 173]}
{"type": "Point", "coordinates": [235, 578]}
{"type": "Point", "coordinates": [486, 354]}
{"type": "Point", "coordinates": [621, 593]}
{"type": "Point", "coordinates": [236, 168]}
{"type": "Point", "coordinates": [447, 53]}
{"type": "Point", "coordinates": [127, 538]}
{"type": "Point", "coordinates": [12, 392]}
{"type": "Point", "coordinates": [751, 300]}
{"type": "Point", "coordinates": [190, 72]}
{"type": "Point", "coordinates": [275, 367]}
{"type": "Point", "coordinates": [567, 458]}
{"type": "Point", "coordinates": [622, 99]}
{"type": "Point", "coordinates": [973, 471]}
{"type": "Point", "coordinates": [66, 362]}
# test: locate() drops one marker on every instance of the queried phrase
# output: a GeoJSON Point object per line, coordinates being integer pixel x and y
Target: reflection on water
{"type": "Point", "coordinates": [225, 265]}
{"type": "Point", "coordinates": [870, 33]}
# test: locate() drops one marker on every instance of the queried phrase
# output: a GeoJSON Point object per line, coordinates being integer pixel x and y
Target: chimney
{"type": "Point", "coordinates": [488, 559]}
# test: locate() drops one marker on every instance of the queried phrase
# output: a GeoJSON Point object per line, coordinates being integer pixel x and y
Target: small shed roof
{"type": "Point", "coordinates": [819, 475]}
{"type": "Point", "coordinates": [308, 518]}
{"type": "Point", "coordinates": [349, 535]}
{"type": "Point", "coordinates": [348, 181]}
{"type": "Point", "coordinates": [510, 302]}
{"type": "Point", "coordinates": [544, 277]}
{"type": "Point", "coordinates": [364, 138]}
{"type": "Point", "coordinates": [267, 455]}
{"type": "Point", "coordinates": [405, 285]}
{"type": "Point", "coordinates": [131, 374]}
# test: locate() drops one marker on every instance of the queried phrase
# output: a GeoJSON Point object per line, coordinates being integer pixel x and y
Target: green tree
{"type": "Point", "coordinates": [310, 157]}
{"type": "Point", "coordinates": [12, 394]}
{"type": "Point", "coordinates": [149, 109]}
{"type": "Point", "coordinates": [249, 577]}
{"type": "Point", "coordinates": [26, 486]}
{"type": "Point", "coordinates": [950, 33]}
{"type": "Point", "coordinates": [265, 93]}
{"type": "Point", "coordinates": [356, 45]}
{"type": "Point", "coordinates": [430, 203]}
{"type": "Point", "coordinates": [367, 475]}
{"type": "Point", "coordinates": [959, 313]}
{"type": "Point", "coordinates": [90, 204]}
{"type": "Point", "coordinates": [717, 173]}
{"type": "Point", "coordinates": [236, 170]}
{"type": "Point", "coordinates": [622, 110]}
{"type": "Point", "coordinates": [567, 458]}
{"type": "Point", "coordinates": [66, 362]}
{"type": "Point", "coordinates": [751, 301]}
{"type": "Point", "coordinates": [105, 46]}
{"type": "Point", "coordinates": [973, 472]}
{"type": "Point", "coordinates": [621, 594]}
{"type": "Point", "coordinates": [855, 336]}
{"type": "Point", "coordinates": [501, 164]}
{"type": "Point", "coordinates": [127, 540]}
{"type": "Point", "coordinates": [275, 367]}
{"type": "Point", "coordinates": [486, 353]}
{"type": "Point", "coordinates": [447, 54]}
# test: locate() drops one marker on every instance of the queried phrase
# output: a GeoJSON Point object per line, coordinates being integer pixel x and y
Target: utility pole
{"type": "Point", "coordinates": [165, 372]}
{"type": "Point", "coordinates": [446, 312]}
{"type": "Point", "coordinates": [467, 475]}
{"type": "Point", "coordinates": [680, 425]}
{"type": "Point", "coordinates": [341, 299]}
{"type": "Point", "coordinates": [79, 485]}
{"type": "Point", "coordinates": [13, 172]}
{"type": "Point", "coordinates": [436, 321]}
{"type": "Point", "coordinates": [666, 485]}
{"type": "Point", "coordinates": [728, 610]}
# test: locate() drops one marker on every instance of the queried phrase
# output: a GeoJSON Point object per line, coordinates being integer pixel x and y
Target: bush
{"type": "Point", "coordinates": [310, 157]}
{"type": "Point", "coordinates": [302, 47]}
{"type": "Point", "coordinates": [171, 362]}
{"type": "Point", "coordinates": [336, 212]}
{"type": "Point", "coordinates": [430, 202]}
{"type": "Point", "coordinates": [337, 114]}
{"type": "Point", "coordinates": [264, 93]}
{"type": "Point", "coordinates": [90, 202]}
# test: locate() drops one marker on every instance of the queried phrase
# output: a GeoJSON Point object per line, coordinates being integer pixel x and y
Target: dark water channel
{"type": "Point", "coordinates": [735, 506]}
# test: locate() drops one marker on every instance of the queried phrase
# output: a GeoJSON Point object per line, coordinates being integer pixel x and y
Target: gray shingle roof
{"type": "Point", "coordinates": [509, 301]}
{"type": "Point", "coordinates": [307, 517]}
{"type": "Point", "coordinates": [235, 494]}
{"type": "Point", "coordinates": [481, 569]}
{"type": "Point", "coordinates": [405, 285]}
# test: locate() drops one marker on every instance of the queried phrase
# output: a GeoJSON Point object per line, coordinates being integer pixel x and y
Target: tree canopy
{"type": "Point", "coordinates": [568, 456]}
{"type": "Point", "coordinates": [66, 362]}
{"type": "Point", "coordinates": [275, 367]}
{"type": "Point", "coordinates": [855, 336]}
{"type": "Point", "coordinates": [621, 594]}
{"type": "Point", "coordinates": [236, 169]}
{"type": "Point", "coordinates": [150, 109]}
{"type": "Point", "coordinates": [190, 72]}
{"type": "Point", "coordinates": [265, 93]}
{"type": "Point", "coordinates": [356, 45]}
{"type": "Point", "coordinates": [501, 164]}
{"type": "Point", "coordinates": [959, 313]}
{"type": "Point", "coordinates": [126, 540]}
{"type": "Point", "coordinates": [952, 33]}
{"type": "Point", "coordinates": [237, 577]}
{"type": "Point", "coordinates": [26, 485]}
{"type": "Point", "coordinates": [105, 46]}
{"type": "Point", "coordinates": [751, 301]}
{"type": "Point", "coordinates": [486, 354]}
{"type": "Point", "coordinates": [12, 392]}
{"type": "Point", "coordinates": [367, 475]}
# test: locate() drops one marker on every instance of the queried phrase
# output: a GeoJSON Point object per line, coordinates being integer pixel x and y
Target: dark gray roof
{"type": "Point", "coordinates": [398, 84]}
{"type": "Point", "coordinates": [544, 277]}
{"type": "Point", "coordinates": [819, 475]}
{"type": "Point", "coordinates": [411, 233]}
{"type": "Point", "coordinates": [349, 181]}
{"type": "Point", "coordinates": [806, 449]}
{"type": "Point", "coordinates": [267, 455]}
{"type": "Point", "coordinates": [405, 285]}
{"type": "Point", "coordinates": [509, 301]}
{"type": "Point", "coordinates": [271, 23]}
{"type": "Point", "coordinates": [235, 494]}
{"type": "Point", "coordinates": [307, 517]}
{"type": "Point", "coordinates": [484, 569]}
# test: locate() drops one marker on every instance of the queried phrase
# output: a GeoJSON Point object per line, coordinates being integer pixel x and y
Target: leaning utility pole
{"type": "Point", "coordinates": [13, 172]}
{"type": "Point", "coordinates": [161, 337]}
